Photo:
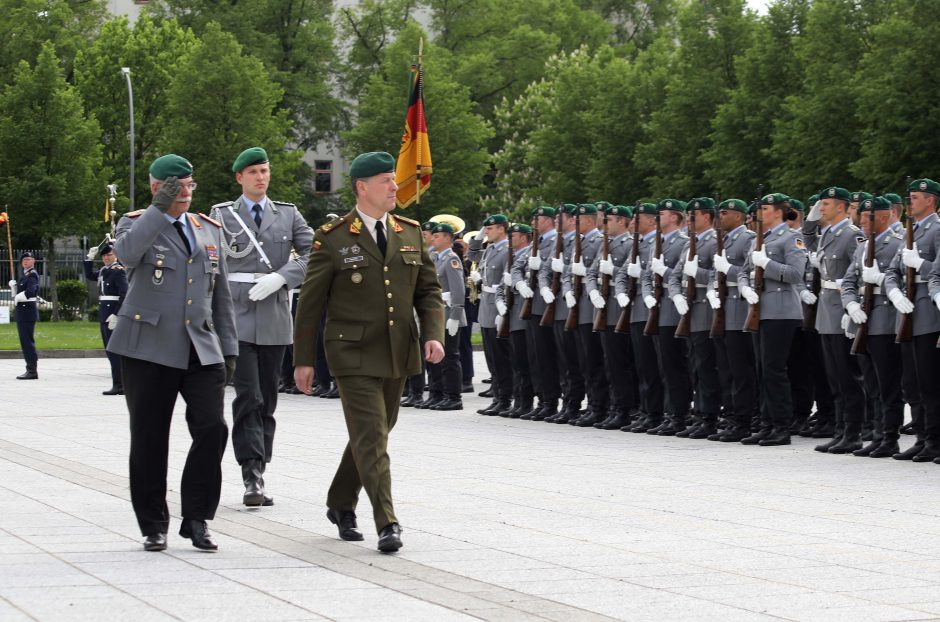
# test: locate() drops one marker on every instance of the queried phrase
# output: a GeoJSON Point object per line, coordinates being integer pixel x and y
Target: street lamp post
{"type": "Point", "coordinates": [126, 72]}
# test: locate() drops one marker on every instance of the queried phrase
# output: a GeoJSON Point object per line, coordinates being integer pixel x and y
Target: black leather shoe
{"type": "Point", "coordinates": [268, 501]}
{"type": "Point", "coordinates": [487, 381]}
{"type": "Point", "coordinates": [332, 394]}
{"type": "Point", "coordinates": [734, 435]}
{"type": "Point", "coordinates": [155, 542]}
{"type": "Point", "coordinates": [757, 437]}
{"type": "Point", "coordinates": [28, 375]}
{"type": "Point", "coordinates": [486, 393]}
{"type": "Point", "coordinates": [532, 412]}
{"type": "Point", "coordinates": [910, 452]}
{"type": "Point", "coordinates": [198, 532]}
{"type": "Point", "coordinates": [254, 484]}
{"type": "Point", "coordinates": [411, 400]}
{"type": "Point", "coordinates": [928, 454]}
{"type": "Point", "coordinates": [466, 387]}
{"type": "Point", "coordinates": [907, 428]}
{"type": "Point", "coordinates": [549, 410]}
{"type": "Point", "coordinates": [865, 451]}
{"type": "Point", "coordinates": [616, 422]}
{"type": "Point", "coordinates": [491, 406]}
{"type": "Point", "coordinates": [501, 406]}
{"type": "Point", "coordinates": [448, 405]}
{"type": "Point", "coordinates": [822, 429]}
{"type": "Point", "coordinates": [689, 430]}
{"type": "Point", "coordinates": [293, 390]}
{"type": "Point", "coordinates": [777, 436]}
{"type": "Point", "coordinates": [114, 391]}
{"type": "Point", "coordinates": [885, 450]}
{"type": "Point", "coordinates": [847, 444]}
{"type": "Point", "coordinates": [345, 522]}
{"type": "Point", "coordinates": [318, 390]}
{"type": "Point", "coordinates": [390, 538]}
{"type": "Point", "coordinates": [588, 420]}
{"type": "Point", "coordinates": [825, 447]}
{"type": "Point", "coordinates": [431, 402]}
{"type": "Point", "coordinates": [704, 431]}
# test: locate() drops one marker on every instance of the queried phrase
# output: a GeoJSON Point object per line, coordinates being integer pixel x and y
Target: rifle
{"type": "Point", "coordinates": [526, 312]}
{"type": "Point", "coordinates": [652, 322]}
{"type": "Point", "coordinates": [906, 326]}
{"type": "Point", "coordinates": [752, 323]}
{"type": "Point", "coordinates": [721, 282]}
{"type": "Point", "coordinates": [600, 316]}
{"type": "Point", "coordinates": [860, 345]}
{"type": "Point", "coordinates": [572, 322]}
{"type": "Point", "coordinates": [623, 324]}
{"type": "Point", "coordinates": [809, 311]}
{"type": "Point", "coordinates": [548, 317]}
{"type": "Point", "coordinates": [684, 328]}
{"type": "Point", "coordinates": [508, 293]}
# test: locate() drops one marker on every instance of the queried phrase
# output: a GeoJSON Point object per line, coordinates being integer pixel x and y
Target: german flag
{"type": "Point", "coordinates": [414, 157]}
{"type": "Point", "coordinates": [4, 219]}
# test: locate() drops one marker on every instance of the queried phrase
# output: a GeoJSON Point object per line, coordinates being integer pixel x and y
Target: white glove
{"type": "Point", "coordinates": [21, 297]}
{"type": "Point", "coordinates": [911, 257]}
{"type": "Point", "coordinates": [750, 295]}
{"type": "Point", "coordinates": [453, 325]}
{"type": "Point", "coordinates": [713, 299]}
{"type": "Point", "coordinates": [721, 262]}
{"type": "Point", "coordinates": [501, 307]}
{"type": "Point", "coordinates": [760, 258]}
{"type": "Point", "coordinates": [633, 270]}
{"type": "Point", "coordinates": [659, 266]}
{"type": "Point", "coordinates": [815, 213]}
{"type": "Point", "coordinates": [507, 279]}
{"type": "Point", "coordinates": [845, 322]}
{"type": "Point", "coordinates": [480, 235]}
{"type": "Point", "coordinates": [570, 301]}
{"type": "Point", "coordinates": [524, 290]}
{"type": "Point", "coordinates": [900, 301]}
{"type": "Point", "coordinates": [266, 285]}
{"type": "Point", "coordinates": [856, 313]}
{"type": "Point", "coordinates": [814, 259]}
{"type": "Point", "coordinates": [12, 285]}
{"type": "Point", "coordinates": [649, 301]}
{"type": "Point", "coordinates": [606, 267]}
{"type": "Point", "coordinates": [596, 299]}
{"type": "Point", "coordinates": [475, 276]}
{"type": "Point", "coordinates": [547, 295]}
{"type": "Point", "coordinates": [558, 264]}
{"type": "Point", "coordinates": [92, 253]}
{"type": "Point", "coordinates": [690, 269]}
{"type": "Point", "coordinates": [936, 300]}
{"type": "Point", "coordinates": [578, 269]}
{"type": "Point", "coordinates": [535, 263]}
{"type": "Point", "coordinates": [873, 274]}
{"type": "Point", "coordinates": [112, 322]}
{"type": "Point", "coordinates": [623, 300]}
{"type": "Point", "coordinates": [808, 297]}
{"type": "Point", "coordinates": [681, 305]}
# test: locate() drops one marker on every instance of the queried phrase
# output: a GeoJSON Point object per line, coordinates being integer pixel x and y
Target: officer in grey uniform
{"type": "Point", "coordinates": [523, 384]}
{"type": "Point", "coordinates": [735, 349]}
{"type": "Point", "coordinates": [176, 336]}
{"type": "Point", "coordinates": [627, 283]}
{"type": "Point", "coordinates": [492, 262]}
{"type": "Point", "coordinates": [924, 198]}
{"type": "Point", "coordinates": [258, 236]}
{"type": "Point", "coordinates": [831, 249]}
{"type": "Point", "coordinates": [447, 374]}
{"type": "Point", "coordinates": [883, 351]}
{"type": "Point", "coordinates": [590, 352]}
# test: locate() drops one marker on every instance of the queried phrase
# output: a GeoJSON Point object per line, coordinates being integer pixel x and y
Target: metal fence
{"type": "Point", "coordinates": [68, 266]}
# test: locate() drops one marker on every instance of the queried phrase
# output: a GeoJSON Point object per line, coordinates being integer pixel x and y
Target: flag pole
{"type": "Point", "coordinates": [6, 211]}
{"type": "Point", "coordinates": [420, 124]}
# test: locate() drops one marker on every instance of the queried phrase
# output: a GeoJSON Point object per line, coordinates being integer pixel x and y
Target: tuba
{"type": "Point", "coordinates": [474, 294]}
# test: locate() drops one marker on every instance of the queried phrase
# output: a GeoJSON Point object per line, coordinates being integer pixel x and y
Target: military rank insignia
{"type": "Point", "coordinates": [212, 252]}
{"type": "Point", "coordinates": [397, 227]}
{"type": "Point", "coordinates": [408, 249]}
{"type": "Point", "coordinates": [316, 245]}
{"type": "Point", "coordinates": [800, 245]}
{"type": "Point", "coordinates": [356, 226]}
{"type": "Point", "coordinates": [455, 264]}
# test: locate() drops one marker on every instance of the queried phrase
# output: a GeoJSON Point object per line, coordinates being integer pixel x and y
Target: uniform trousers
{"type": "Point", "coordinates": [673, 357]}
{"type": "Point", "coordinates": [532, 358]}
{"type": "Point", "coordinates": [26, 330]}
{"type": "Point", "coordinates": [910, 387]}
{"type": "Point", "coordinates": [591, 363]}
{"type": "Point", "coordinates": [256, 379]}
{"type": "Point", "coordinates": [466, 353]}
{"type": "Point", "coordinates": [647, 365]}
{"type": "Point", "coordinates": [800, 370]}
{"type": "Point", "coordinates": [735, 353]}
{"type": "Point", "coordinates": [841, 370]}
{"type": "Point", "coordinates": [523, 387]}
{"type": "Point", "coordinates": [113, 359]}
{"type": "Point", "coordinates": [927, 359]}
{"type": "Point", "coordinates": [150, 390]}
{"type": "Point", "coordinates": [704, 364]}
{"type": "Point", "coordinates": [620, 369]}
{"type": "Point", "coordinates": [775, 339]}
{"type": "Point", "coordinates": [568, 354]}
{"type": "Point", "coordinates": [500, 363]}
{"type": "Point", "coordinates": [548, 363]}
{"type": "Point", "coordinates": [885, 357]}
{"type": "Point", "coordinates": [444, 378]}
{"type": "Point", "coordinates": [370, 406]}
{"type": "Point", "coordinates": [873, 416]}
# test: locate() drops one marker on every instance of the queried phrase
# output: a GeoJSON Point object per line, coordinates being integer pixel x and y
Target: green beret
{"type": "Point", "coordinates": [570, 208]}
{"type": "Point", "coordinates": [797, 205]}
{"type": "Point", "coordinates": [587, 209]}
{"type": "Point", "coordinates": [835, 192]}
{"type": "Point", "coordinates": [812, 200]}
{"type": "Point", "coordinates": [702, 204]}
{"type": "Point", "coordinates": [428, 226]}
{"type": "Point", "coordinates": [171, 165]}
{"type": "Point", "coordinates": [893, 198]}
{"type": "Point", "coordinates": [646, 208]}
{"type": "Point", "coordinates": [620, 210]}
{"type": "Point", "coordinates": [521, 228]}
{"type": "Point", "coordinates": [441, 227]}
{"type": "Point", "coordinates": [371, 163]}
{"type": "Point", "coordinates": [252, 155]}
{"type": "Point", "coordinates": [544, 211]}
{"type": "Point", "coordinates": [860, 196]}
{"type": "Point", "coordinates": [602, 206]}
{"type": "Point", "coordinates": [774, 199]}
{"type": "Point", "coordinates": [875, 204]}
{"type": "Point", "coordinates": [736, 205]}
{"type": "Point", "coordinates": [496, 219]}
{"type": "Point", "coordinates": [672, 205]}
{"type": "Point", "coordinates": [925, 185]}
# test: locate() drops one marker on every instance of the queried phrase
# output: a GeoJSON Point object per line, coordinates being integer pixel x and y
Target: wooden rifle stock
{"type": "Point", "coordinates": [721, 288]}
{"type": "Point", "coordinates": [548, 317]}
{"type": "Point", "coordinates": [623, 323]}
{"type": "Point", "coordinates": [652, 322]}
{"type": "Point", "coordinates": [860, 344]}
{"type": "Point", "coordinates": [508, 293]}
{"type": "Point", "coordinates": [572, 322]}
{"type": "Point", "coordinates": [684, 328]}
{"type": "Point", "coordinates": [906, 326]}
{"type": "Point", "coordinates": [752, 323]}
{"type": "Point", "coordinates": [526, 312]}
{"type": "Point", "coordinates": [600, 315]}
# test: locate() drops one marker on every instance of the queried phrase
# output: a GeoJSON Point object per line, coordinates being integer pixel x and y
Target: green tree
{"type": "Point", "coordinates": [635, 24]}
{"type": "Point", "coordinates": [457, 135]}
{"type": "Point", "coordinates": [50, 159]}
{"type": "Point", "coordinates": [208, 120]}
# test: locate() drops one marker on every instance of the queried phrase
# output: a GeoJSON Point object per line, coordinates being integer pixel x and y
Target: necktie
{"type": "Point", "coordinates": [380, 237]}
{"type": "Point", "coordinates": [256, 214]}
{"type": "Point", "coordinates": [179, 229]}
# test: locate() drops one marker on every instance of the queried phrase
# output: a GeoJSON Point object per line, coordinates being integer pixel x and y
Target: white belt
{"type": "Point", "coordinates": [244, 277]}
{"type": "Point", "coordinates": [701, 285]}
{"type": "Point", "coordinates": [109, 297]}
{"type": "Point", "coordinates": [489, 289]}
{"type": "Point", "coordinates": [920, 279]}
{"type": "Point", "coordinates": [31, 300]}
{"type": "Point", "coordinates": [727, 284]}
{"type": "Point", "coordinates": [831, 284]}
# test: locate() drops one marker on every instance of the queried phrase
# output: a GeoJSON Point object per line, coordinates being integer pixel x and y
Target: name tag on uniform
{"type": "Point", "coordinates": [408, 249]}
{"type": "Point", "coordinates": [354, 259]}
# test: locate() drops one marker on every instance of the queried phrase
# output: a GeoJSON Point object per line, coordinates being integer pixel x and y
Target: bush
{"type": "Point", "coordinates": [45, 314]}
{"type": "Point", "coordinates": [72, 296]}
{"type": "Point", "coordinates": [92, 313]}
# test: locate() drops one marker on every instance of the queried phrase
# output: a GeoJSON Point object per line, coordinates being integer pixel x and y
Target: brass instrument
{"type": "Point", "coordinates": [449, 219]}
{"type": "Point", "coordinates": [474, 294]}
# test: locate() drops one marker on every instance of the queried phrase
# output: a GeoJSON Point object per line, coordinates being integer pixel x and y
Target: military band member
{"type": "Point", "coordinates": [369, 273]}
{"type": "Point", "coordinates": [26, 313]}
{"type": "Point", "coordinates": [523, 385]}
{"type": "Point", "coordinates": [176, 336]}
{"type": "Point", "coordinates": [112, 286]}
{"type": "Point", "coordinates": [259, 235]}
{"type": "Point", "coordinates": [447, 374]}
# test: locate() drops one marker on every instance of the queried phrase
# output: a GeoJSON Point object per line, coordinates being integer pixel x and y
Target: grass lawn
{"type": "Point", "coordinates": [56, 336]}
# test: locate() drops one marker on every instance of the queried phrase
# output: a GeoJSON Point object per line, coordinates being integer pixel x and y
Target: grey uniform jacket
{"type": "Point", "coordinates": [545, 253]}
{"type": "Point", "coordinates": [590, 248]}
{"type": "Point", "coordinates": [268, 321]}
{"type": "Point", "coordinates": [672, 254]}
{"type": "Point", "coordinates": [883, 317]}
{"type": "Point", "coordinates": [517, 271]}
{"type": "Point", "coordinates": [491, 263]}
{"type": "Point", "coordinates": [638, 310]}
{"type": "Point", "coordinates": [700, 309]}
{"type": "Point", "coordinates": [783, 276]}
{"type": "Point", "coordinates": [453, 284]}
{"type": "Point", "coordinates": [620, 251]}
{"type": "Point", "coordinates": [927, 238]}
{"type": "Point", "coordinates": [737, 245]}
{"type": "Point", "coordinates": [546, 274]}
{"type": "Point", "coordinates": [173, 299]}
{"type": "Point", "coordinates": [835, 250]}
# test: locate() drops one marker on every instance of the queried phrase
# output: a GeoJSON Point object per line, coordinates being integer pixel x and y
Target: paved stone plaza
{"type": "Point", "coordinates": [503, 520]}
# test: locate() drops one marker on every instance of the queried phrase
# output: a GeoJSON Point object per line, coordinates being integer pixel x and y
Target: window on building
{"type": "Point", "coordinates": [323, 176]}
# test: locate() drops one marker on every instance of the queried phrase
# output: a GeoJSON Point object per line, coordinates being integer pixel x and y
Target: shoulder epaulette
{"type": "Point", "coordinates": [283, 203]}
{"type": "Point", "coordinates": [853, 227]}
{"type": "Point", "coordinates": [211, 220]}
{"type": "Point", "coordinates": [224, 204]}
{"type": "Point", "coordinates": [411, 222]}
{"type": "Point", "coordinates": [897, 235]}
{"type": "Point", "coordinates": [135, 213]}
{"type": "Point", "coordinates": [333, 224]}
{"type": "Point", "coordinates": [750, 233]}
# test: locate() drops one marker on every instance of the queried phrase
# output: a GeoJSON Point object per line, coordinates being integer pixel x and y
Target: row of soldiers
{"type": "Point", "coordinates": [723, 321]}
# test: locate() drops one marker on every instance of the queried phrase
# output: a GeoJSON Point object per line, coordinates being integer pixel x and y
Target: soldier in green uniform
{"type": "Point", "coordinates": [370, 273]}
